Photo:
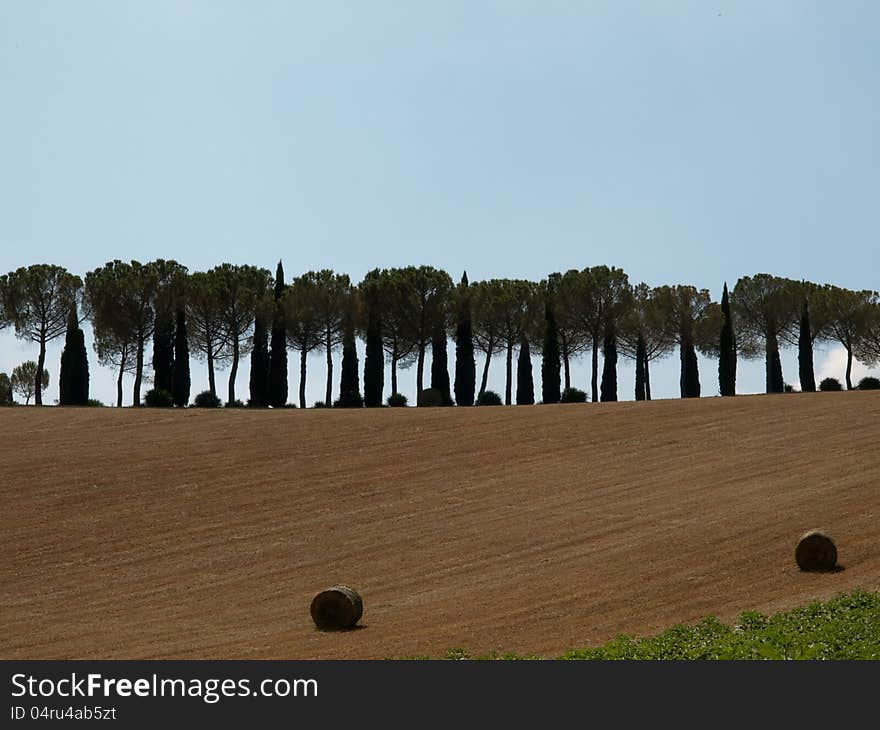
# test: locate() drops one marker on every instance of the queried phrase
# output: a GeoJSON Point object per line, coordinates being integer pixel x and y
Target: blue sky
{"type": "Point", "coordinates": [688, 142]}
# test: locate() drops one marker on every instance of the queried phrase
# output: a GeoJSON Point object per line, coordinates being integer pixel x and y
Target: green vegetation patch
{"type": "Point", "coordinates": [846, 627]}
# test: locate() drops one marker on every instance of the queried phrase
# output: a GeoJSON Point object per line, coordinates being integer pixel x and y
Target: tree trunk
{"type": "Point", "coordinates": [507, 387]}
{"type": "Point", "coordinates": [647, 378]}
{"type": "Point", "coordinates": [849, 359]}
{"type": "Point", "coordinates": [594, 382]}
{"type": "Point", "coordinates": [41, 363]}
{"type": "Point", "coordinates": [233, 371]}
{"type": "Point", "coordinates": [119, 382]}
{"type": "Point", "coordinates": [212, 386]}
{"type": "Point", "coordinates": [302, 379]}
{"type": "Point", "coordinates": [486, 369]}
{"type": "Point", "coordinates": [565, 361]}
{"type": "Point", "coordinates": [420, 371]}
{"type": "Point", "coordinates": [328, 397]}
{"type": "Point", "coordinates": [138, 373]}
{"type": "Point", "coordinates": [394, 373]}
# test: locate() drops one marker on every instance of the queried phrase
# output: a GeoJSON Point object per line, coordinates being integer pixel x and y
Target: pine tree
{"type": "Point", "coordinates": [465, 365]}
{"type": "Point", "coordinates": [73, 381]}
{"type": "Point", "coordinates": [180, 376]}
{"type": "Point", "coordinates": [609, 366]}
{"type": "Point", "coordinates": [550, 379]}
{"type": "Point", "coordinates": [805, 353]}
{"type": "Point", "coordinates": [727, 357]}
{"type": "Point", "coordinates": [259, 379]}
{"type": "Point", "coordinates": [525, 384]}
{"type": "Point", "coordinates": [641, 363]}
{"type": "Point", "coordinates": [278, 353]}
{"type": "Point", "coordinates": [374, 358]}
{"type": "Point", "coordinates": [349, 383]}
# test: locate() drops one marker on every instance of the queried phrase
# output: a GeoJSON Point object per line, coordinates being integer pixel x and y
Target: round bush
{"type": "Point", "coordinates": [488, 398]}
{"type": "Point", "coordinates": [573, 395]}
{"type": "Point", "coordinates": [158, 398]}
{"type": "Point", "coordinates": [869, 383]}
{"type": "Point", "coordinates": [830, 385]}
{"type": "Point", "coordinates": [397, 400]}
{"type": "Point", "coordinates": [94, 403]}
{"type": "Point", "coordinates": [206, 400]}
{"type": "Point", "coordinates": [430, 398]}
{"type": "Point", "coordinates": [320, 404]}
{"type": "Point", "coordinates": [235, 404]}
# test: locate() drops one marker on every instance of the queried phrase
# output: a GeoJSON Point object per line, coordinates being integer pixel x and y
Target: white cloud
{"type": "Point", "coordinates": [833, 365]}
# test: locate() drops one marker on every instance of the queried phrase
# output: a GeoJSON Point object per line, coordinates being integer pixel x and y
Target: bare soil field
{"type": "Point", "coordinates": [205, 534]}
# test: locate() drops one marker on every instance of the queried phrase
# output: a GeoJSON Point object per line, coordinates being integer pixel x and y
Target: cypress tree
{"type": "Point", "coordinates": [439, 365]}
{"type": "Point", "coordinates": [465, 365]}
{"type": "Point", "coordinates": [73, 381]}
{"type": "Point", "coordinates": [690, 373]}
{"type": "Point", "coordinates": [180, 377]}
{"type": "Point", "coordinates": [374, 359]}
{"type": "Point", "coordinates": [775, 383]}
{"type": "Point", "coordinates": [805, 353]}
{"type": "Point", "coordinates": [727, 357]}
{"type": "Point", "coordinates": [163, 351]}
{"type": "Point", "coordinates": [278, 353]}
{"type": "Point", "coordinates": [349, 382]}
{"type": "Point", "coordinates": [608, 388]}
{"type": "Point", "coordinates": [550, 382]}
{"type": "Point", "coordinates": [259, 380]}
{"type": "Point", "coordinates": [525, 384]}
{"type": "Point", "coordinates": [641, 362]}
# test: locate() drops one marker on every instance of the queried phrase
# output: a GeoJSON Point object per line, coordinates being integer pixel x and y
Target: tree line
{"type": "Point", "coordinates": [230, 312]}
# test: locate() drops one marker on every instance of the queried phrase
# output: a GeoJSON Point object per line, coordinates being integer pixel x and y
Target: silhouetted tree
{"type": "Point", "coordinates": [439, 363]}
{"type": "Point", "coordinates": [278, 352]}
{"type": "Point", "coordinates": [686, 312]}
{"type": "Point", "coordinates": [609, 365]}
{"type": "Point", "coordinates": [849, 316]}
{"type": "Point", "coordinates": [465, 365]}
{"type": "Point", "coordinates": [525, 384]}
{"type": "Point", "coordinates": [644, 322]}
{"type": "Point", "coordinates": [641, 363]}
{"type": "Point", "coordinates": [37, 300]}
{"type": "Point", "coordinates": [25, 378]}
{"type": "Point", "coordinates": [374, 358]}
{"type": "Point", "coordinates": [73, 380]}
{"type": "Point", "coordinates": [727, 347]}
{"type": "Point", "coordinates": [349, 382]}
{"type": "Point", "coordinates": [805, 352]}
{"type": "Point", "coordinates": [181, 380]}
{"type": "Point", "coordinates": [205, 322]}
{"type": "Point", "coordinates": [332, 305]}
{"type": "Point", "coordinates": [259, 378]}
{"type": "Point", "coordinates": [550, 382]}
{"type": "Point", "coordinates": [303, 323]}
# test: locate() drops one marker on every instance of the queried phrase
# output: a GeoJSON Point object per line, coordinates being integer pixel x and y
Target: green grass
{"type": "Point", "coordinates": [846, 627]}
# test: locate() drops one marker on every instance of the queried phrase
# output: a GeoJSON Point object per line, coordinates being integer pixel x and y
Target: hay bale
{"type": "Point", "coordinates": [339, 607]}
{"type": "Point", "coordinates": [816, 551]}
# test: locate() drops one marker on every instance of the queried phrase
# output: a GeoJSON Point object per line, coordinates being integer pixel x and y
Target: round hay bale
{"type": "Point", "coordinates": [337, 608]}
{"type": "Point", "coordinates": [816, 551]}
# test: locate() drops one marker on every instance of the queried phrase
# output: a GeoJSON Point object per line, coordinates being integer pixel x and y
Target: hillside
{"type": "Point", "coordinates": [199, 534]}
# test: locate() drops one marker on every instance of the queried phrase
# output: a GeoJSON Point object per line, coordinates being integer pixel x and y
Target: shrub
{"type": "Point", "coordinates": [235, 404]}
{"type": "Point", "coordinates": [94, 403]}
{"type": "Point", "coordinates": [320, 404]}
{"type": "Point", "coordinates": [830, 384]}
{"type": "Point", "coordinates": [397, 400]}
{"type": "Point", "coordinates": [788, 388]}
{"type": "Point", "coordinates": [289, 405]}
{"type": "Point", "coordinates": [206, 399]}
{"type": "Point", "coordinates": [488, 398]}
{"type": "Point", "coordinates": [158, 398]}
{"type": "Point", "coordinates": [869, 383]}
{"type": "Point", "coordinates": [430, 398]}
{"type": "Point", "coordinates": [573, 395]}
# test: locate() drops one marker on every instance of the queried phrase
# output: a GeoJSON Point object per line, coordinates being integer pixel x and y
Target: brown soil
{"type": "Point", "coordinates": [198, 534]}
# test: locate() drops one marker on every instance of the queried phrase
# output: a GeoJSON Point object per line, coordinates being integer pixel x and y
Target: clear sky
{"type": "Point", "coordinates": [688, 142]}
